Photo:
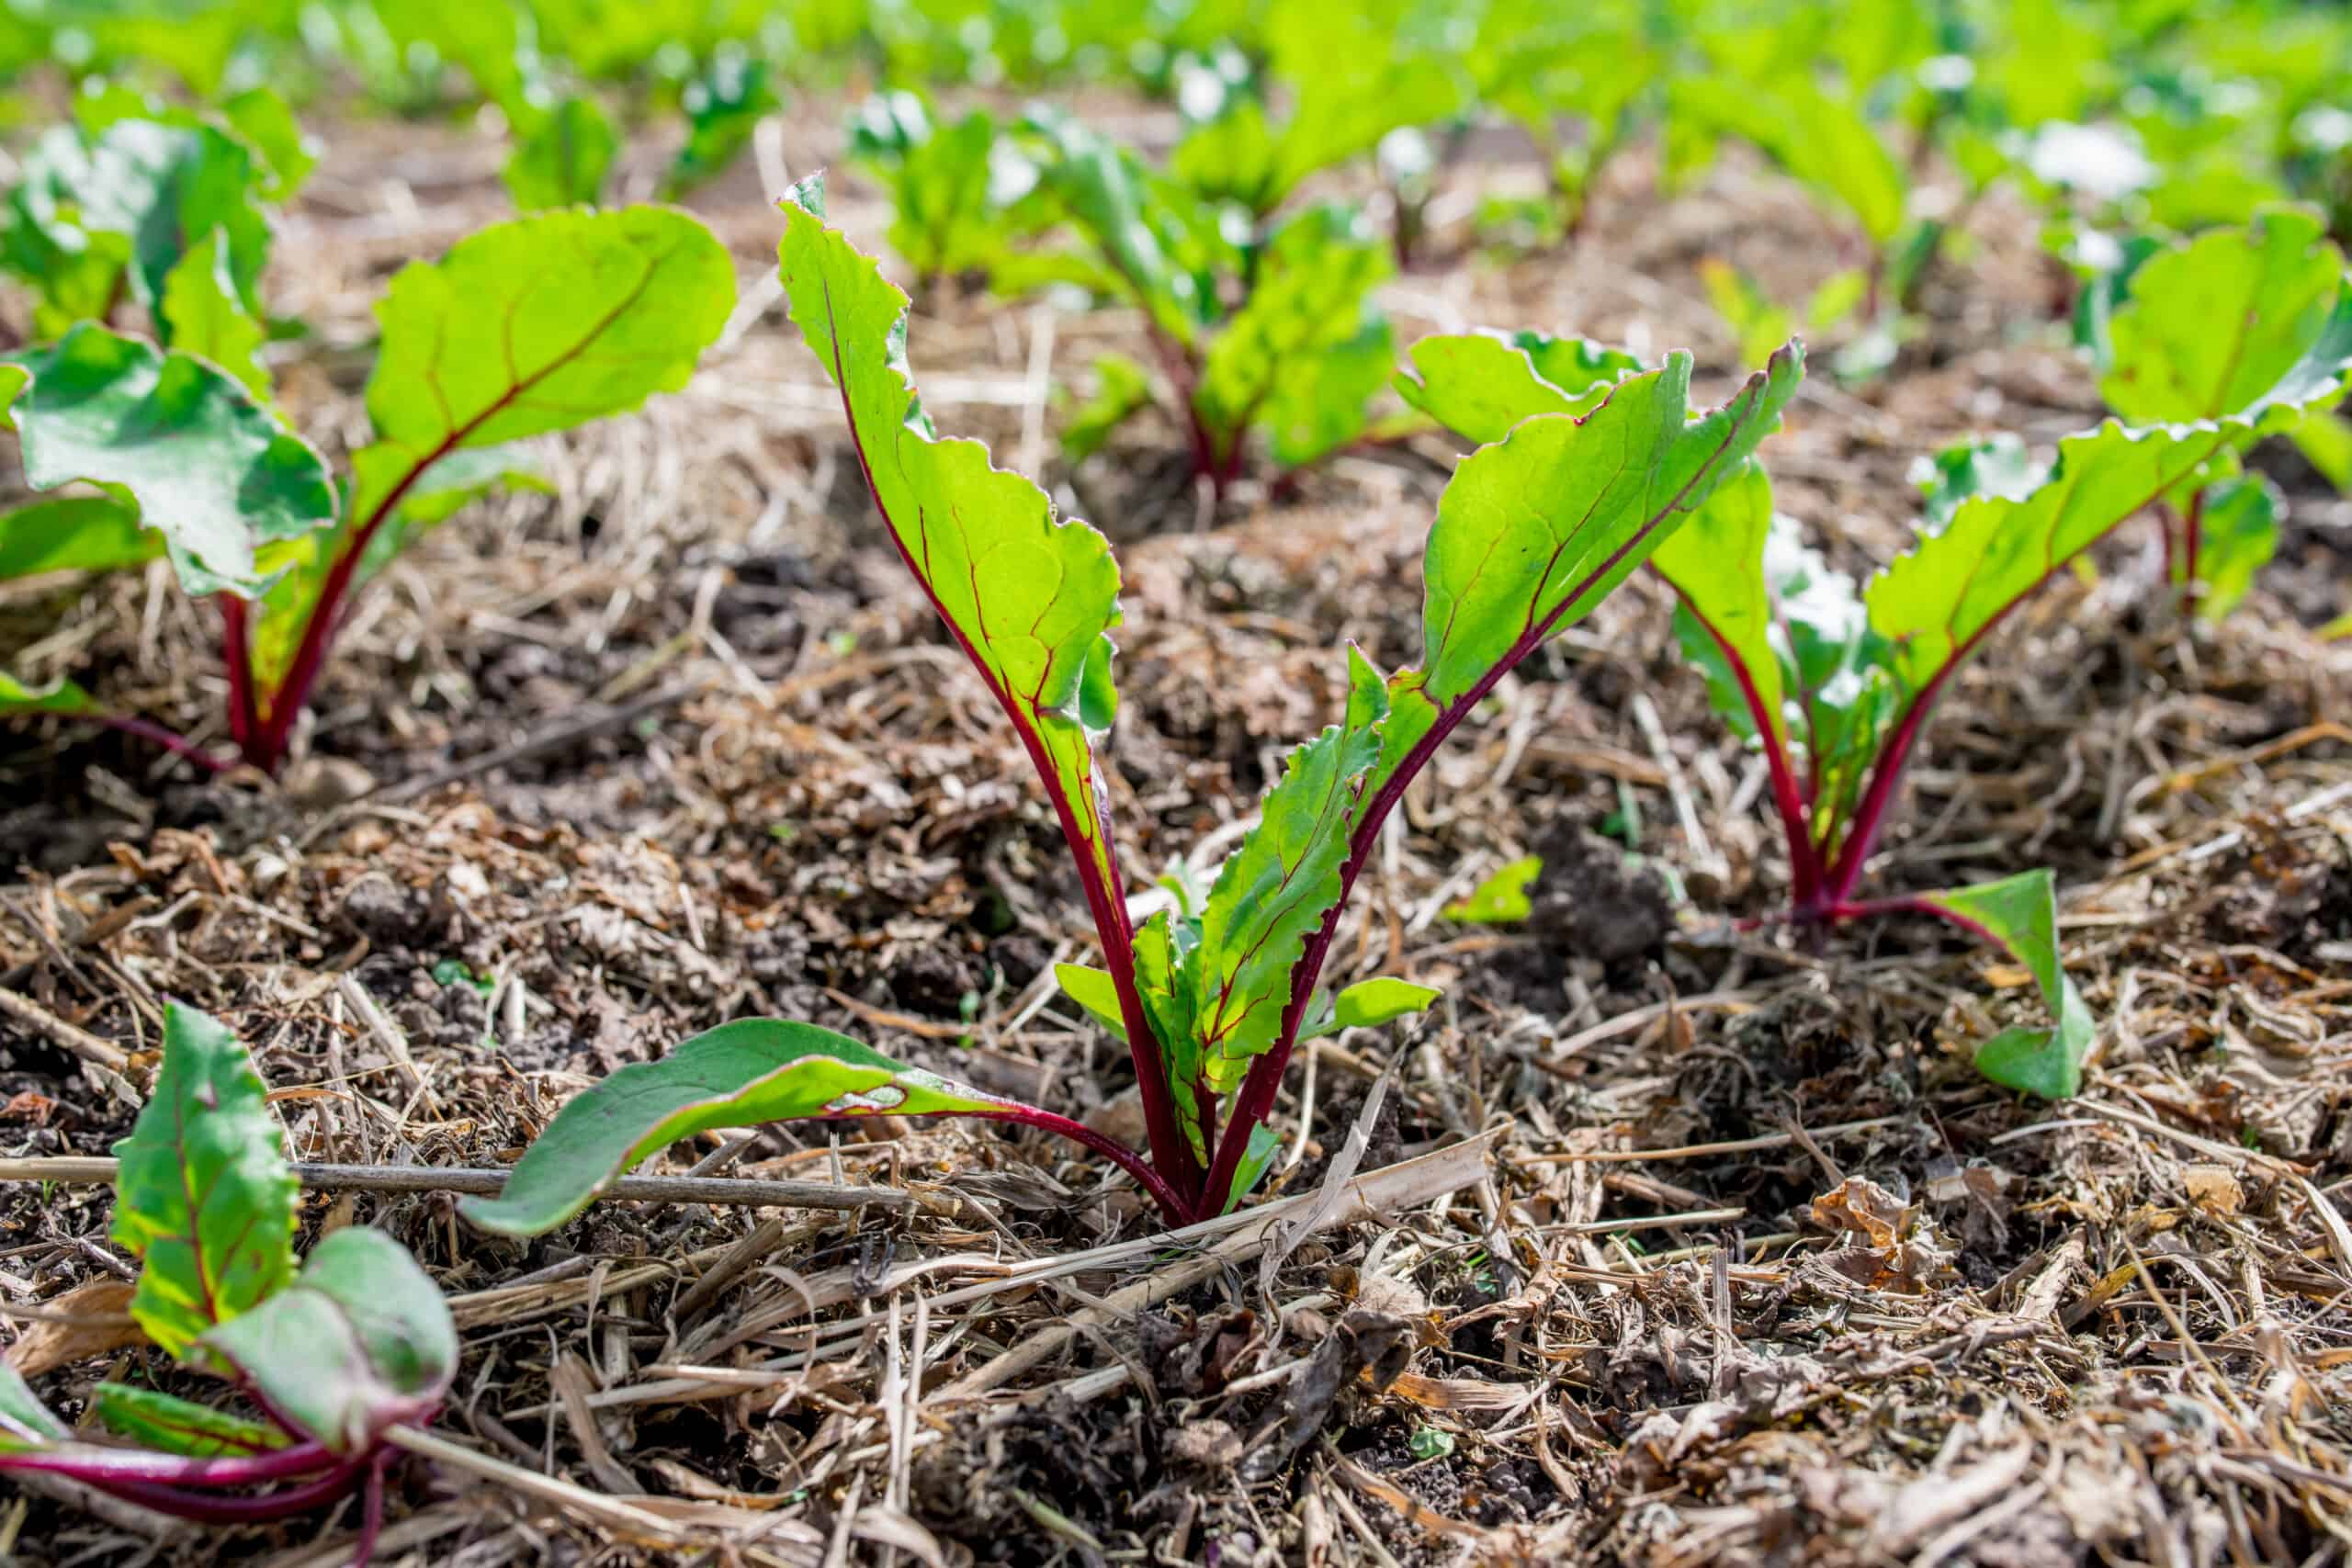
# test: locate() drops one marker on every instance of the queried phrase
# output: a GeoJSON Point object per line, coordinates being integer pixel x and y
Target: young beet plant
{"type": "Point", "coordinates": [331, 1358]}
{"type": "Point", "coordinates": [1835, 685]}
{"type": "Point", "coordinates": [522, 329]}
{"type": "Point", "coordinates": [2208, 328]}
{"type": "Point", "coordinates": [1530, 534]}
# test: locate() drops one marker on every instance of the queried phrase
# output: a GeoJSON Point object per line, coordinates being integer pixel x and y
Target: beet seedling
{"type": "Point", "coordinates": [1211, 998]}
{"type": "Point", "coordinates": [331, 1358]}
{"type": "Point", "coordinates": [2209, 327]}
{"type": "Point", "coordinates": [1835, 685]}
{"type": "Point", "coordinates": [524, 328]}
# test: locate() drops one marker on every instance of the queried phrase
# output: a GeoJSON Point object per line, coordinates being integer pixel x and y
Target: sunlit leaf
{"type": "Point", "coordinates": [2019, 914]}
{"type": "Point", "coordinates": [737, 1075]}
{"type": "Point", "coordinates": [180, 1426]}
{"type": "Point", "coordinates": [1501, 896]}
{"type": "Point", "coordinates": [359, 1342]}
{"type": "Point", "coordinates": [204, 1197]}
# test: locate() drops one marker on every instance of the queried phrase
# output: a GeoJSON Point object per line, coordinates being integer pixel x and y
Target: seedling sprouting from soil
{"type": "Point", "coordinates": [1834, 683]}
{"type": "Point", "coordinates": [1211, 999]}
{"type": "Point", "coordinates": [329, 1357]}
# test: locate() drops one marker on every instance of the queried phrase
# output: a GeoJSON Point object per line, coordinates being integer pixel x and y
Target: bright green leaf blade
{"type": "Point", "coordinates": [1317, 403]}
{"type": "Point", "coordinates": [1715, 563]}
{"type": "Point", "coordinates": [1821, 140]}
{"type": "Point", "coordinates": [2020, 915]}
{"type": "Point", "coordinates": [1256, 1155]}
{"type": "Point", "coordinates": [59, 697]}
{"type": "Point", "coordinates": [1273, 892]}
{"type": "Point", "coordinates": [162, 187]}
{"type": "Point", "coordinates": [543, 324]}
{"type": "Point", "coordinates": [1308, 300]}
{"type": "Point", "coordinates": [2237, 534]}
{"type": "Point", "coordinates": [1757, 323]}
{"type": "Point", "coordinates": [2325, 441]}
{"type": "Point", "coordinates": [268, 125]}
{"type": "Point", "coordinates": [563, 158]}
{"type": "Point", "coordinates": [1369, 1003]}
{"type": "Point", "coordinates": [1537, 528]}
{"type": "Point", "coordinates": [1481, 384]}
{"type": "Point", "coordinates": [361, 1342]}
{"type": "Point", "coordinates": [25, 1421]}
{"type": "Point", "coordinates": [2215, 323]}
{"type": "Point", "coordinates": [204, 1196]}
{"type": "Point", "coordinates": [179, 1426]}
{"type": "Point", "coordinates": [202, 315]}
{"type": "Point", "coordinates": [1094, 990]}
{"type": "Point", "coordinates": [1934, 604]}
{"type": "Point", "coordinates": [1153, 237]}
{"type": "Point", "coordinates": [737, 1075]}
{"type": "Point", "coordinates": [210, 470]}
{"type": "Point", "coordinates": [1500, 899]}
{"type": "Point", "coordinates": [1028, 597]}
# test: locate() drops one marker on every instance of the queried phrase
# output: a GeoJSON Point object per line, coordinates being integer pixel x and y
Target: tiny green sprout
{"type": "Point", "coordinates": [1429, 1443]}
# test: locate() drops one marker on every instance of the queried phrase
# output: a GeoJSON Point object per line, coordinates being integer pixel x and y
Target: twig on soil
{"type": "Point", "coordinates": [96, 1169]}
{"type": "Point", "coordinates": [1700, 1151]}
{"type": "Point", "coordinates": [608, 1511]}
{"type": "Point", "coordinates": [80, 1041]}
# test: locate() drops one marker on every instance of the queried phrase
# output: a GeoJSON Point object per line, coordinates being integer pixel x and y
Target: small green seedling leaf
{"type": "Point", "coordinates": [1094, 990]}
{"type": "Point", "coordinates": [563, 158]}
{"type": "Point", "coordinates": [205, 465]}
{"type": "Point", "coordinates": [1370, 1003]}
{"type": "Point", "coordinates": [1479, 385]}
{"type": "Point", "coordinates": [2238, 530]}
{"type": "Point", "coordinates": [1759, 325]}
{"type": "Point", "coordinates": [737, 1075]}
{"type": "Point", "coordinates": [202, 315]}
{"type": "Point", "coordinates": [204, 1196]}
{"type": "Point", "coordinates": [360, 1342]}
{"type": "Point", "coordinates": [1500, 899]}
{"type": "Point", "coordinates": [25, 1421]}
{"type": "Point", "coordinates": [2019, 914]}
{"type": "Point", "coordinates": [74, 532]}
{"type": "Point", "coordinates": [179, 1426]}
{"type": "Point", "coordinates": [1429, 1443]}
{"type": "Point", "coordinates": [268, 125]}
{"type": "Point", "coordinates": [59, 697]}
{"type": "Point", "coordinates": [1997, 464]}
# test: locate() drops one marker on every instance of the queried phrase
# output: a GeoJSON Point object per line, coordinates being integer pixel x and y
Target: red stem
{"type": "Point", "coordinates": [1788, 800]}
{"type": "Point", "coordinates": [104, 1466]}
{"type": "Point", "coordinates": [237, 655]}
{"type": "Point", "coordinates": [1106, 897]}
{"type": "Point", "coordinates": [177, 745]}
{"type": "Point", "coordinates": [207, 1510]}
{"type": "Point", "coordinates": [2192, 541]}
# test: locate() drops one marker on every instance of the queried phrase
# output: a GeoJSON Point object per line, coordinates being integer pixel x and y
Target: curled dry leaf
{"type": "Point", "coordinates": [88, 1320]}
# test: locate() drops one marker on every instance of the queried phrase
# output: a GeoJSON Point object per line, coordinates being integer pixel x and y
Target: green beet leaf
{"type": "Point", "coordinates": [723, 104]}
{"type": "Point", "coordinates": [1094, 990]}
{"type": "Point", "coordinates": [25, 1421]}
{"type": "Point", "coordinates": [543, 324]}
{"type": "Point", "coordinates": [2019, 914]}
{"type": "Point", "coordinates": [1368, 1004]}
{"type": "Point", "coordinates": [1934, 604]}
{"type": "Point", "coordinates": [1479, 385]}
{"type": "Point", "coordinates": [268, 125]}
{"type": "Point", "coordinates": [74, 532]}
{"type": "Point", "coordinates": [1539, 527]}
{"type": "Point", "coordinates": [1309, 304]}
{"type": "Point", "coordinates": [949, 207]}
{"type": "Point", "coordinates": [60, 697]}
{"type": "Point", "coordinates": [1148, 236]}
{"type": "Point", "coordinates": [204, 1197]}
{"type": "Point", "coordinates": [737, 1075]}
{"type": "Point", "coordinates": [361, 1341]}
{"type": "Point", "coordinates": [564, 157]}
{"type": "Point", "coordinates": [1273, 892]}
{"type": "Point", "coordinates": [200, 314]}
{"type": "Point", "coordinates": [2238, 533]}
{"type": "Point", "coordinates": [206, 466]}
{"type": "Point", "coordinates": [2216, 323]}
{"type": "Point", "coordinates": [1997, 464]}
{"type": "Point", "coordinates": [1823, 141]}
{"type": "Point", "coordinates": [1356, 80]}
{"type": "Point", "coordinates": [1501, 896]}
{"type": "Point", "coordinates": [1759, 325]}
{"type": "Point", "coordinates": [1029, 597]}
{"type": "Point", "coordinates": [179, 1426]}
